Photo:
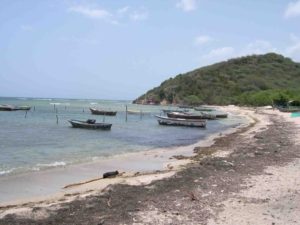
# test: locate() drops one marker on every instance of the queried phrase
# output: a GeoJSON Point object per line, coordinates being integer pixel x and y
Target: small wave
{"type": "Point", "coordinates": [54, 164]}
{"type": "Point", "coordinates": [3, 172]}
{"type": "Point", "coordinates": [55, 103]}
{"type": "Point", "coordinates": [22, 98]}
{"type": "Point", "coordinates": [93, 103]}
{"type": "Point", "coordinates": [43, 99]}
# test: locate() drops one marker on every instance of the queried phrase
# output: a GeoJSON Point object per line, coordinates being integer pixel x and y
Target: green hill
{"type": "Point", "coordinates": [251, 80]}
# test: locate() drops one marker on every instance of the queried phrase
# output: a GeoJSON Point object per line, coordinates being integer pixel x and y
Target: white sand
{"type": "Point", "coordinates": [271, 198]}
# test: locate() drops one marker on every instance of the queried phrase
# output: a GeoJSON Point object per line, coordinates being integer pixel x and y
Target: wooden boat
{"type": "Point", "coordinates": [203, 116]}
{"type": "Point", "coordinates": [13, 108]}
{"type": "Point", "coordinates": [183, 115]}
{"type": "Point", "coordinates": [205, 109]}
{"type": "Point", "coordinates": [221, 115]}
{"type": "Point", "coordinates": [90, 124]}
{"type": "Point", "coordinates": [162, 120]}
{"type": "Point", "coordinates": [102, 112]}
{"type": "Point", "coordinates": [175, 110]}
{"type": "Point", "coordinates": [22, 108]}
{"type": "Point", "coordinates": [289, 110]}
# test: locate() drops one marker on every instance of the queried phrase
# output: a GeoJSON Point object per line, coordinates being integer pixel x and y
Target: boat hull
{"type": "Point", "coordinates": [85, 125]}
{"type": "Point", "coordinates": [13, 108]}
{"type": "Point", "coordinates": [103, 112]}
{"type": "Point", "coordinates": [180, 122]}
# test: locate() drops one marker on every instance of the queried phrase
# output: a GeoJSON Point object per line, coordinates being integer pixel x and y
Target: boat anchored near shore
{"type": "Point", "coordinates": [162, 120]}
{"type": "Point", "coordinates": [90, 124]}
{"type": "Point", "coordinates": [13, 108]}
{"type": "Point", "coordinates": [102, 112]}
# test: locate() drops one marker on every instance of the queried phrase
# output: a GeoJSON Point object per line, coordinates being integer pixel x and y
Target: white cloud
{"type": "Point", "coordinates": [293, 9]}
{"type": "Point", "coordinates": [294, 49]}
{"type": "Point", "coordinates": [96, 13]}
{"type": "Point", "coordinates": [187, 5]}
{"type": "Point", "coordinates": [202, 40]}
{"type": "Point", "coordinates": [123, 10]}
{"type": "Point", "coordinates": [137, 16]}
{"type": "Point", "coordinates": [258, 47]}
{"type": "Point", "coordinates": [219, 53]}
{"type": "Point", "coordinates": [114, 18]}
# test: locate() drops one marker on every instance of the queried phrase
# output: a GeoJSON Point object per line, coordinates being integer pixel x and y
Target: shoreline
{"type": "Point", "coordinates": [160, 159]}
{"type": "Point", "coordinates": [228, 154]}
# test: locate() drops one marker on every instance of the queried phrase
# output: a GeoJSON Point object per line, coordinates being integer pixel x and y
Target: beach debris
{"type": "Point", "coordinates": [179, 157]}
{"type": "Point", "coordinates": [192, 196]}
{"type": "Point", "coordinates": [108, 202]}
{"type": "Point", "coordinates": [81, 183]}
{"type": "Point", "coordinates": [110, 174]}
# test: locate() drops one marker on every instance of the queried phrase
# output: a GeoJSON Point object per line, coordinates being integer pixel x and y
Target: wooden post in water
{"type": "Point", "coordinates": [83, 110]}
{"type": "Point", "coordinates": [141, 114]}
{"type": "Point", "coordinates": [126, 114]}
{"type": "Point", "coordinates": [33, 108]}
{"type": "Point", "coordinates": [56, 110]}
{"type": "Point", "coordinates": [56, 119]}
{"type": "Point", "coordinates": [26, 114]}
{"type": "Point", "coordinates": [54, 107]}
{"type": "Point", "coordinates": [65, 107]}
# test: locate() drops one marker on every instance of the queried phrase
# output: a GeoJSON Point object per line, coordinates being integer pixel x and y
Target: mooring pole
{"type": "Point", "coordinates": [56, 119]}
{"type": "Point", "coordinates": [26, 114]}
{"type": "Point", "coordinates": [126, 114]}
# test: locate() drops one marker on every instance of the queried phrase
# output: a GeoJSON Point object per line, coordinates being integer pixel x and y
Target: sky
{"type": "Point", "coordinates": [109, 49]}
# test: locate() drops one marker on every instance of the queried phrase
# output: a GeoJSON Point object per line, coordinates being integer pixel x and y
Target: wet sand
{"type": "Point", "coordinates": [204, 191]}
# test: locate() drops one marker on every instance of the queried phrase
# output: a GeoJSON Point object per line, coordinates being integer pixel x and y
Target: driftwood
{"type": "Point", "coordinates": [84, 182]}
{"type": "Point", "coordinates": [105, 175]}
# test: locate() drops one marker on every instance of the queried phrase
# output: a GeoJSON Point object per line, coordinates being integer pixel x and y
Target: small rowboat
{"type": "Point", "coordinates": [162, 120]}
{"type": "Point", "coordinates": [13, 108]}
{"type": "Point", "coordinates": [90, 124]}
{"type": "Point", "coordinates": [289, 110]}
{"type": "Point", "coordinates": [102, 112]}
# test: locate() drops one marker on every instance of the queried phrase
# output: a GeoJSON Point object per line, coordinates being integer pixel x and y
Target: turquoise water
{"type": "Point", "coordinates": [295, 114]}
{"type": "Point", "coordinates": [37, 142]}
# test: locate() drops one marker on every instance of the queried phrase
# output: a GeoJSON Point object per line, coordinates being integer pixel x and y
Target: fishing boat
{"type": "Point", "coordinates": [183, 115]}
{"type": "Point", "coordinates": [175, 110]}
{"type": "Point", "coordinates": [221, 115]}
{"type": "Point", "coordinates": [13, 108]}
{"type": "Point", "coordinates": [204, 109]}
{"type": "Point", "coordinates": [162, 120]}
{"type": "Point", "coordinates": [289, 110]}
{"type": "Point", "coordinates": [103, 112]}
{"type": "Point", "coordinates": [90, 124]}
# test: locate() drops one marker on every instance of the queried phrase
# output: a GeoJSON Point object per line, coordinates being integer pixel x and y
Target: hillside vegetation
{"type": "Point", "coordinates": [251, 80]}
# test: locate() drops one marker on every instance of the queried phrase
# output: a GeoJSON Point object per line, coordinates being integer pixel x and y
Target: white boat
{"type": "Point", "coordinates": [162, 120]}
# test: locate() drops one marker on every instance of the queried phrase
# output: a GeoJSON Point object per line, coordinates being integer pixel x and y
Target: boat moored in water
{"type": "Point", "coordinates": [162, 120]}
{"type": "Point", "coordinates": [90, 124]}
{"type": "Point", "coordinates": [13, 108]}
{"type": "Point", "coordinates": [103, 112]}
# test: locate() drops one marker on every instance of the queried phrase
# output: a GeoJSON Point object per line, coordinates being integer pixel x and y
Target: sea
{"type": "Point", "coordinates": [42, 138]}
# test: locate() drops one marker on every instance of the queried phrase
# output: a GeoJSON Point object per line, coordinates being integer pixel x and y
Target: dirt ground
{"type": "Point", "coordinates": [195, 195]}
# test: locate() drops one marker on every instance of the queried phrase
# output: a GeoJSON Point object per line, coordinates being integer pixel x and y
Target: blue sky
{"type": "Point", "coordinates": [119, 49]}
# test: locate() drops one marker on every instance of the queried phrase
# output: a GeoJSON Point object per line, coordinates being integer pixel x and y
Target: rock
{"type": "Point", "coordinates": [110, 174]}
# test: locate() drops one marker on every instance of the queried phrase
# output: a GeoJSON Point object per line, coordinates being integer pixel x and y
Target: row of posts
{"type": "Point", "coordinates": [56, 111]}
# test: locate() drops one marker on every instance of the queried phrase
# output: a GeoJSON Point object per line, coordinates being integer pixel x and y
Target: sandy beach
{"type": "Point", "coordinates": [246, 175]}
